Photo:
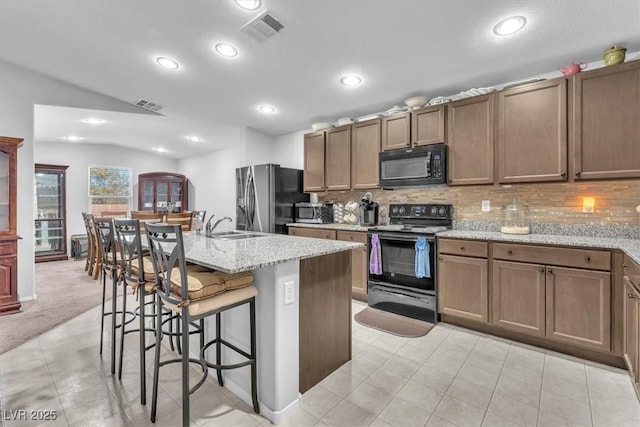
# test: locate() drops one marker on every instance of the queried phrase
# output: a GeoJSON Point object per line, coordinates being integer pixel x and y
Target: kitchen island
{"type": "Point", "coordinates": [303, 335]}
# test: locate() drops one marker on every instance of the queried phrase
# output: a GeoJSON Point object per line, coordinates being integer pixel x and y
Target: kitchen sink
{"type": "Point", "coordinates": [243, 236]}
{"type": "Point", "coordinates": [225, 233]}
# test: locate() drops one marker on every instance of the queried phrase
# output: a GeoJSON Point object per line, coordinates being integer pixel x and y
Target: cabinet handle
{"type": "Point", "coordinates": [587, 258]}
{"type": "Point", "coordinates": [563, 174]}
{"type": "Point", "coordinates": [550, 271]}
{"type": "Point", "coordinates": [510, 252]}
{"type": "Point", "coordinates": [462, 248]}
{"type": "Point", "coordinates": [541, 269]}
{"type": "Point", "coordinates": [439, 258]}
{"type": "Point", "coordinates": [630, 295]}
{"type": "Point", "coordinates": [578, 173]}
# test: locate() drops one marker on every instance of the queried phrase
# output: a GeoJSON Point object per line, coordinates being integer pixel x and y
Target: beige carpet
{"type": "Point", "coordinates": [64, 291]}
{"type": "Point", "coordinates": [393, 323]}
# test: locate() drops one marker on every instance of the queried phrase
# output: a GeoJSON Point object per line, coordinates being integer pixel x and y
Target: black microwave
{"type": "Point", "coordinates": [413, 167]}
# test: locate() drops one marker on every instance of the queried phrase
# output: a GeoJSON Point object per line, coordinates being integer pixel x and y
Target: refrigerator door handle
{"type": "Point", "coordinates": [256, 206]}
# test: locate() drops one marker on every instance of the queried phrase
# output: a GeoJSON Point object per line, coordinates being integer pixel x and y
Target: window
{"type": "Point", "coordinates": [109, 190]}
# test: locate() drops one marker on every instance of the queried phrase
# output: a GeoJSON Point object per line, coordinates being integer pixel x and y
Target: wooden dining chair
{"type": "Point", "coordinates": [184, 219]}
{"type": "Point", "coordinates": [146, 216]}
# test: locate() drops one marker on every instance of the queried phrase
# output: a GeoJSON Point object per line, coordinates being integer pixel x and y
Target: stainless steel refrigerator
{"type": "Point", "coordinates": [265, 196]}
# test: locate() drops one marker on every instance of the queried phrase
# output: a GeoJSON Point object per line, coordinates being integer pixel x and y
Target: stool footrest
{"type": "Point", "coordinates": [232, 347]}
{"type": "Point", "coordinates": [205, 371]}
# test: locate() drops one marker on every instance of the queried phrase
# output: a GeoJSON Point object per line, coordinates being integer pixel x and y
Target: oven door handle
{"type": "Point", "coordinates": [400, 295]}
{"type": "Point", "coordinates": [402, 237]}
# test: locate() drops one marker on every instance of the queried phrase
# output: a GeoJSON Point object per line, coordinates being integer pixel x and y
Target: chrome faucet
{"type": "Point", "coordinates": [209, 229]}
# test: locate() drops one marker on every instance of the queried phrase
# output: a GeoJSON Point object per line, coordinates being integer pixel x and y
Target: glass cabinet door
{"type": "Point", "coordinates": [50, 233]}
{"type": "Point", "coordinates": [147, 196]}
{"type": "Point", "coordinates": [176, 196]}
{"type": "Point", "coordinates": [162, 196]}
{"type": "Point", "coordinates": [4, 190]}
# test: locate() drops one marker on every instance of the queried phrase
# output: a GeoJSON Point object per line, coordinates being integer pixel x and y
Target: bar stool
{"type": "Point", "coordinates": [91, 248]}
{"type": "Point", "coordinates": [195, 293]}
{"type": "Point", "coordinates": [110, 268]}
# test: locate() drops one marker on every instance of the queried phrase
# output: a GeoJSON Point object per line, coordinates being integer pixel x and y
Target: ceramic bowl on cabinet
{"type": "Point", "coordinates": [321, 126]}
{"type": "Point", "coordinates": [416, 102]}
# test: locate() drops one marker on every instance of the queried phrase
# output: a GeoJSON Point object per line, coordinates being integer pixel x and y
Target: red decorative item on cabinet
{"type": "Point", "coordinates": [8, 237]}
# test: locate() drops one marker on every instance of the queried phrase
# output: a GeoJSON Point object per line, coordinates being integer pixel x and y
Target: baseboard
{"type": "Point", "coordinates": [275, 417]}
{"type": "Point", "coordinates": [29, 298]}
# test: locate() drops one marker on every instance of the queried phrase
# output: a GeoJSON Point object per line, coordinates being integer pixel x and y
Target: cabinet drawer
{"type": "Point", "coordinates": [580, 258]}
{"type": "Point", "coordinates": [352, 236]}
{"type": "Point", "coordinates": [463, 247]}
{"type": "Point", "coordinates": [7, 248]}
{"type": "Point", "coordinates": [317, 233]}
{"type": "Point", "coordinates": [632, 271]}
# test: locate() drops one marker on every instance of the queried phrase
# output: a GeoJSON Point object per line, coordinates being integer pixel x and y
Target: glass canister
{"type": "Point", "coordinates": [515, 219]}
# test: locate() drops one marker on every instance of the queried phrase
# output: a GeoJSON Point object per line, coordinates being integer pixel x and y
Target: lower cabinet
{"type": "Point", "coordinates": [631, 343]}
{"type": "Point", "coordinates": [359, 261]}
{"type": "Point", "coordinates": [579, 307]}
{"type": "Point", "coordinates": [562, 295]}
{"type": "Point", "coordinates": [462, 288]}
{"type": "Point", "coordinates": [519, 297]}
{"type": "Point", "coordinates": [8, 278]}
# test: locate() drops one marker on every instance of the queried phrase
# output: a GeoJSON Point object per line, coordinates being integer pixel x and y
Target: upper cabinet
{"type": "Point", "coordinates": [338, 160]}
{"type": "Point", "coordinates": [365, 147]}
{"type": "Point", "coordinates": [314, 161]}
{"type": "Point", "coordinates": [532, 132]}
{"type": "Point", "coordinates": [605, 122]}
{"type": "Point", "coordinates": [470, 140]}
{"type": "Point", "coordinates": [428, 125]}
{"type": "Point", "coordinates": [161, 191]}
{"type": "Point", "coordinates": [396, 131]}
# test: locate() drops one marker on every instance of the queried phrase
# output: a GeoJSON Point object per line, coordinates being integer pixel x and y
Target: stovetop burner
{"type": "Point", "coordinates": [400, 228]}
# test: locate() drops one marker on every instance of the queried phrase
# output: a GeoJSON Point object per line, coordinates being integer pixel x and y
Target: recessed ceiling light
{"type": "Point", "coordinates": [94, 121]}
{"type": "Point", "coordinates": [169, 63]}
{"type": "Point", "coordinates": [248, 4]}
{"type": "Point", "coordinates": [73, 138]}
{"type": "Point", "coordinates": [194, 138]}
{"type": "Point", "coordinates": [351, 80]}
{"type": "Point", "coordinates": [160, 150]}
{"type": "Point", "coordinates": [510, 25]}
{"type": "Point", "coordinates": [225, 49]}
{"type": "Point", "coordinates": [267, 109]}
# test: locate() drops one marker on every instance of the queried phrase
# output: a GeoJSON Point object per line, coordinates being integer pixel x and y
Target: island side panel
{"type": "Point", "coordinates": [325, 316]}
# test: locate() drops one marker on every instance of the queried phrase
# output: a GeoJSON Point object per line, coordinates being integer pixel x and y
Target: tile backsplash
{"type": "Point", "coordinates": [615, 201]}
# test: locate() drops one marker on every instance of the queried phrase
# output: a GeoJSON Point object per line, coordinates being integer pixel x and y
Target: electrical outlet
{"type": "Point", "coordinates": [486, 206]}
{"type": "Point", "coordinates": [289, 297]}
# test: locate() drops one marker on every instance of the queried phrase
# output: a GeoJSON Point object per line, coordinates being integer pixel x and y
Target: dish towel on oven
{"type": "Point", "coordinates": [422, 258]}
{"type": "Point", "coordinates": [375, 260]}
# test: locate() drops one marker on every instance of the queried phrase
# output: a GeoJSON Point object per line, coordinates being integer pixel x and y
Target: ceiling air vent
{"type": "Point", "coordinates": [148, 105]}
{"type": "Point", "coordinates": [262, 27]}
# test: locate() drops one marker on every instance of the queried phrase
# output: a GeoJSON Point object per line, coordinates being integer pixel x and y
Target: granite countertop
{"type": "Point", "coordinates": [233, 256]}
{"type": "Point", "coordinates": [333, 226]}
{"type": "Point", "coordinates": [629, 246]}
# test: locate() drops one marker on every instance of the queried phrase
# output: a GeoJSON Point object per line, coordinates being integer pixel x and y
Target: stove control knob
{"type": "Point", "coordinates": [442, 211]}
{"type": "Point", "coordinates": [401, 211]}
{"type": "Point", "coordinates": [394, 210]}
{"type": "Point", "coordinates": [434, 210]}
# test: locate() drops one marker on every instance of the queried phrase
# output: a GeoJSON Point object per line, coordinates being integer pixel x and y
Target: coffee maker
{"type": "Point", "coordinates": [368, 210]}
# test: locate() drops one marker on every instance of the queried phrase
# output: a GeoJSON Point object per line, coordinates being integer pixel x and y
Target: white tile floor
{"type": "Point", "coordinates": [449, 377]}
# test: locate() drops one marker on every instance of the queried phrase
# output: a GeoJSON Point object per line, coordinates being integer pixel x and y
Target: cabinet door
{"type": "Point", "coordinates": [579, 307]}
{"type": "Point", "coordinates": [314, 161]}
{"type": "Point", "coordinates": [359, 263]}
{"type": "Point", "coordinates": [519, 297]}
{"type": "Point", "coordinates": [532, 132]}
{"type": "Point", "coordinates": [162, 195]}
{"type": "Point", "coordinates": [470, 139]}
{"type": "Point", "coordinates": [176, 196]}
{"type": "Point", "coordinates": [428, 126]}
{"type": "Point", "coordinates": [4, 191]}
{"type": "Point", "coordinates": [462, 287]}
{"type": "Point", "coordinates": [338, 160]}
{"type": "Point", "coordinates": [396, 132]}
{"type": "Point", "coordinates": [8, 284]}
{"type": "Point", "coordinates": [365, 150]}
{"type": "Point", "coordinates": [631, 329]}
{"type": "Point", "coordinates": [605, 125]}
{"type": "Point", "coordinates": [146, 200]}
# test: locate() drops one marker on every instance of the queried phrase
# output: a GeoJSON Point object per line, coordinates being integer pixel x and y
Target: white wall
{"type": "Point", "coordinates": [258, 148]}
{"type": "Point", "coordinates": [80, 156]}
{"type": "Point", "coordinates": [21, 89]}
{"type": "Point", "coordinates": [288, 150]}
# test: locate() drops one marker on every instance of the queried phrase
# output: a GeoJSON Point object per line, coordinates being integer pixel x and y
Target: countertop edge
{"type": "Point", "coordinates": [631, 247]}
